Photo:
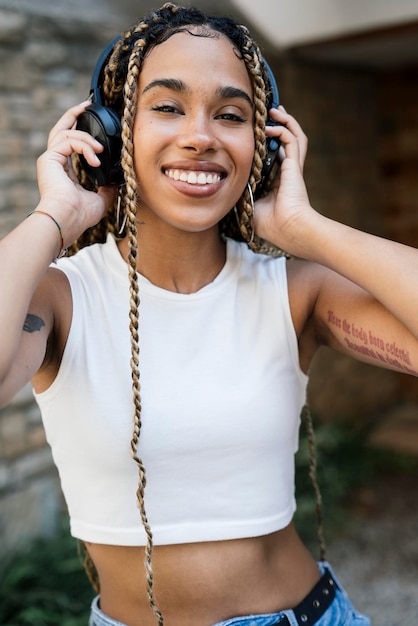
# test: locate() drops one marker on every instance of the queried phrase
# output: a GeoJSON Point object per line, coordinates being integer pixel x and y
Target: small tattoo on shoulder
{"type": "Point", "coordinates": [33, 323]}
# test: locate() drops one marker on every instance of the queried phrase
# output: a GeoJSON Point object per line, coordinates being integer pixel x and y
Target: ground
{"type": "Point", "coordinates": [376, 557]}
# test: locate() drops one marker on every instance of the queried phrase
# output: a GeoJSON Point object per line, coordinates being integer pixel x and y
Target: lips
{"type": "Point", "coordinates": [193, 177]}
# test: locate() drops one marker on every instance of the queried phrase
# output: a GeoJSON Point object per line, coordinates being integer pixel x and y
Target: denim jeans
{"type": "Point", "coordinates": [340, 613]}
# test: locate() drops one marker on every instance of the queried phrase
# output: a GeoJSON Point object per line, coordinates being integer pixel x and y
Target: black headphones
{"type": "Point", "coordinates": [272, 144]}
{"type": "Point", "coordinates": [105, 126]}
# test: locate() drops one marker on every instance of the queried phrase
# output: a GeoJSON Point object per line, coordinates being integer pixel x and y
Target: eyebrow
{"type": "Point", "coordinates": [228, 93]}
{"type": "Point", "coordinates": [174, 84]}
{"type": "Point", "coordinates": [169, 83]}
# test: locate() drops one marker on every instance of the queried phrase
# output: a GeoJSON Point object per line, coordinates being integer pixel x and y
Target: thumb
{"type": "Point", "coordinates": [108, 196]}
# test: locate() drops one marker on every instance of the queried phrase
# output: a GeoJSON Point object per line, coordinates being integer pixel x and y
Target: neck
{"type": "Point", "coordinates": [179, 261]}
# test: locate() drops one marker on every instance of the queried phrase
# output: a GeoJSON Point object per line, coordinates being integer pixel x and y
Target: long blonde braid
{"type": "Point", "coordinates": [131, 209]}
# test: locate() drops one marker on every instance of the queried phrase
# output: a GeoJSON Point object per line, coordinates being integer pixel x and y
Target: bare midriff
{"type": "Point", "coordinates": [199, 584]}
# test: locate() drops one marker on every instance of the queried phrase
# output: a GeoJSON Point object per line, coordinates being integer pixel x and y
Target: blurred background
{"type": "Point", "coordinates": [348, 71]}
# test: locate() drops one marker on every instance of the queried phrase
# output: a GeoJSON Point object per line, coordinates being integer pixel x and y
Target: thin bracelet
{"type": "Point", "coordinates": [62, 250]}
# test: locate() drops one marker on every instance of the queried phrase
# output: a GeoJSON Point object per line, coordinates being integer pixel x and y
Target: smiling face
{"type": "Point", "coordinates": [193, 132]}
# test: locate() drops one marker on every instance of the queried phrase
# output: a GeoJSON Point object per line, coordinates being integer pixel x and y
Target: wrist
{"type": "Point", "coordinates": [303, 234]}
{"type": "Point", "coordinates": [46, 214]}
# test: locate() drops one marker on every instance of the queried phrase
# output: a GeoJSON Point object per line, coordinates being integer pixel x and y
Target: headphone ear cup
{"type": "Point", "coordinates": [104, 125]}
{"type": "Point", "coordinates": [272, 145]}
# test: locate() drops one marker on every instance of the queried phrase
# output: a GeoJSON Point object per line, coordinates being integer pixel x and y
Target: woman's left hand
{"type": "Point", "coordinates": [281, 214]}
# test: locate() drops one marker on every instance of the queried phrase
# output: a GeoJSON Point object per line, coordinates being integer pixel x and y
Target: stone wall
{"type": "Point", "coordinates": [47, 53]}
{"type": "Point", "coordinates": [361, 170]}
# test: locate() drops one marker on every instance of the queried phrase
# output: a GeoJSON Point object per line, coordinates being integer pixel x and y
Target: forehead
{"type": "Point", "coordinates": [196, 55]}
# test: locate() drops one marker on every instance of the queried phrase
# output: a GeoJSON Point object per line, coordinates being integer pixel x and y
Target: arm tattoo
{"type": "Point", "coordinates": [33, 323]}
{"type": "Point", "coordinates": [366, 341]}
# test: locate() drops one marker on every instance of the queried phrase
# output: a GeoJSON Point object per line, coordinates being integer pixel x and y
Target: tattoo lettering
{"type": "Point", "coordinates": [364, 341]}
{"type": "Point", "coordinates": [33, 323]}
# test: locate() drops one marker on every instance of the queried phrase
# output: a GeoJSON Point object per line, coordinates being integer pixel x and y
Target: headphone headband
{"type": "Point", "coordinates": [97, 77]}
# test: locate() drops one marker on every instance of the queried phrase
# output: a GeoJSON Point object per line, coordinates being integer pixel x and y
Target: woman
{"type": "Point", "coordinates": [219, 341]}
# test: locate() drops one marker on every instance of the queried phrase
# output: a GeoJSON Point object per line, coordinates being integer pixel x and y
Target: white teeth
{"type": "Point", "coordinates": [194, 178]}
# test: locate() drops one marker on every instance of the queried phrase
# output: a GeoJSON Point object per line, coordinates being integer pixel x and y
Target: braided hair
{"type": "Point", "coordinates": [119, 90]}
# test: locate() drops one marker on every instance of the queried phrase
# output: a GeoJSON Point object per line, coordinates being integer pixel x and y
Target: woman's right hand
{"type": "Point", "coordinates": [74, 207]}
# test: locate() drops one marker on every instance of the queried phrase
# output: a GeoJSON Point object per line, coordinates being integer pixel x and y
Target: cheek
{"type": "Point", "coordinates": [246, 156]}
{"type": "Point", "coordinates": [143, 132]}
{"type": "Point", "coordinates": [244, 162]}
{"type": "Point", "coordinates": [142, 152]}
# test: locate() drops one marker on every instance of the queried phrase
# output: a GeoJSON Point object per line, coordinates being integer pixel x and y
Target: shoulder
{"type": "Point", "coordinates": [50, 293]}
{"type": "Point", "coordinates": [89, 255]}
{"type": "Point", "coordinates": [304, 280]}
{"type": "Point", "coordinates": [96, 264]}
{"type": "Point", "coordinates": [52, 302]}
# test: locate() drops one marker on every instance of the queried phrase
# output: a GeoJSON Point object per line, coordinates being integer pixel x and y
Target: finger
{"type": "Point", "coordinates": [53, 163]}
{"type": "Point", "coordinates": [293, 126]}
{"type": "Point", "coordinates": [74, 137]}
{"type": "Point", "coordinates": [290, 147]}
{"type": "Point", "coordinates": [70, 134]}
{"type": "Point", "coordinates": [283, 118]}
{"type": "Point", "coordinates": [67, 142]}
{"type": "Point", "coordinates": [69, 119]}
{"type": "Point", "coordinates": [108, 194]}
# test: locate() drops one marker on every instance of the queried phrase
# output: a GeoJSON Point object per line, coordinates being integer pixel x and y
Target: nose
{"type": "Point", "coordinates": [198, 134]}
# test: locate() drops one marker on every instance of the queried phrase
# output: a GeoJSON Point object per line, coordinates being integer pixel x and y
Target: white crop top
{"type": "Point", "coordinates": [221, 393]}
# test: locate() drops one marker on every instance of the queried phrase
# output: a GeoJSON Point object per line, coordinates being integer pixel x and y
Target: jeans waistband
{"type": "Point", "coordinates": [314, 605]}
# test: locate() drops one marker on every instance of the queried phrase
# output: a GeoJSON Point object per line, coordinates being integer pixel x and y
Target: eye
{"type": "Point", "coordinates": [232, 117]}
{"type": "Point", "coordinates": [166, 108]}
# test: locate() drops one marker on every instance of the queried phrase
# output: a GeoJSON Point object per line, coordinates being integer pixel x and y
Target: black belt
{"type": "Point", "coordinates": [315, 604]}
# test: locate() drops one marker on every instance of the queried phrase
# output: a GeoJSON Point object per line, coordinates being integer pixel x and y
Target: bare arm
{"type": "Point", "coordinates": [362, 289]}
{"type": "Point", "coordinates": [26, 254]}
{"type": "Point", "coordinates": [333, 311]}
